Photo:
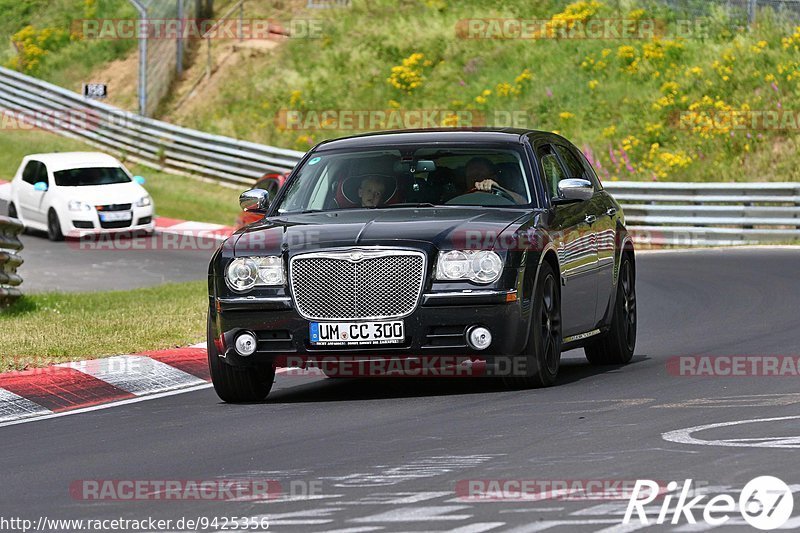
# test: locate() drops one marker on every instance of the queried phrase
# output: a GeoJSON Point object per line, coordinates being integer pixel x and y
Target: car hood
{"type": "Point", "coordinates": [442, 228]}
{"type": "Point", "coordinates": [118, 193]}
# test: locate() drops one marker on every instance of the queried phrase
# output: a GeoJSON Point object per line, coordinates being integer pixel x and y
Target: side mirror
{"type": "Point", "coordinates": [139, 179]}
{"type": "Point", "coordinates": [40, 186]}
{"type": "Point", "coordinates": [254, 200]}
{"type": "Point", "coordinates": [574, 190]}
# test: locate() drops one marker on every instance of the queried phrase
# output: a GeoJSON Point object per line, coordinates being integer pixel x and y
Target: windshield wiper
{"type": "Point", "coordinates": [408, 204]}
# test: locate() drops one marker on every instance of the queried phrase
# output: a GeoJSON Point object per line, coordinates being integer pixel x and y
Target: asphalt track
{"type": "Point", "coordinates": [387, 454]}
{"type": "Point", "coordinates": [129, 264]}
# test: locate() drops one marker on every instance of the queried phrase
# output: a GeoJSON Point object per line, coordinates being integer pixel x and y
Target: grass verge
{"type": "Point", "coordinates": [174, 196]}
{"type": "Point", "coordinates": [52, 328]}
{"type": "Point", "coordinates": [688, 104]}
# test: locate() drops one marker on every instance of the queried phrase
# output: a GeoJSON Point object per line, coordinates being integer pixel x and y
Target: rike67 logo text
{"type": "Point", "coordinates": [765, 503]}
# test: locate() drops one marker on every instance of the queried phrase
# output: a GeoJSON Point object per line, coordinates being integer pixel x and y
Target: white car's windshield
{"type": "Point", "coordinates": [409, 176]}
{"type": "Point", "coordinates": [81, 177]}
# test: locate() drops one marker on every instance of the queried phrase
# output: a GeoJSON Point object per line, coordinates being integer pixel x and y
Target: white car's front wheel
{"type": "Point", "coordinates": [54, 226]}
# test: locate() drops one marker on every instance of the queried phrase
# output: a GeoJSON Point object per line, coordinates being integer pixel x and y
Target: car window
{"type": "Point", "coordinates": [589, 172]}
{"type": "Point", "coordinates": [386, 177]}
{"type": "Point", "coordinates": [574, 168]}
{"type": "Point", "coordinates": [41, 174]}
{"type": "Point", "coordinates": [82, 177]}
{"type": "Point", "coordinates": [31, 172]}
{"type": "Point", "coordinates": [551, 169]}
{"type": "Point", "coordinates": [321, 192]}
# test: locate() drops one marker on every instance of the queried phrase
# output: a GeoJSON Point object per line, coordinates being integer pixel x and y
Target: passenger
{"type": "Point", "coordinates": [372, 191]}
{"type": "Point", "coordinates": [481, 174]}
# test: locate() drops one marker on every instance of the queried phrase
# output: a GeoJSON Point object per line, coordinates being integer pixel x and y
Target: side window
{"type": "Point", "coordinates": [41, 175]}
{"type": "Point", "coordinates": [30, 173]}
{"type": "Point", "coordinates": [574, 168]}
{"type": "Point", "coordinates": [591, 175]}
{"type": "Point", "coordinates": [552, 171]}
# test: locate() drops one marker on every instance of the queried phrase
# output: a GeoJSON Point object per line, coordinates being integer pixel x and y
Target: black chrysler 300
{"type": "Point", "coordinates": [489, 245]}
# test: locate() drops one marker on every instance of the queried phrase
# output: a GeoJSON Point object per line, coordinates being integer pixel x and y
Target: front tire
{"type": "Point", "coordinates": [235, 384]}
{"type": "Point", "coordinates": [54, 227]}
{"type": "Point", "coordinates": [543, 352]}
{"type": "Point", "coordinates": [616, 346]}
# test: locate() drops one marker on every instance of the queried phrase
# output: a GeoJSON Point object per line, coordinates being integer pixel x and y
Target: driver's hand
{"type": "Point", "coordinates": [486, 185]}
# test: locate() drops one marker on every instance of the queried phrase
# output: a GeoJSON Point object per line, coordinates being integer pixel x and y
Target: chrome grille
{"type": "Point", "coordinates": [357, 284]}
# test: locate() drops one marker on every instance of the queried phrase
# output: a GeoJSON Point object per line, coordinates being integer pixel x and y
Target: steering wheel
{"type": "Point", "coordinates": [497, 191]}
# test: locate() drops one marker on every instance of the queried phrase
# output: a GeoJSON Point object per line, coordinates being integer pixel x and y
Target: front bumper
{"type": "Point", "coordinates": [76, 223]}
{"type": "Point", "coordinates": [436, 327]}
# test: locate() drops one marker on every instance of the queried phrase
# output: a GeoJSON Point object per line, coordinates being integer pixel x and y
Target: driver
{"type": "Point", "coordinates": [481, 174]}
{"type": "Point", "coordinates": [372, 191]}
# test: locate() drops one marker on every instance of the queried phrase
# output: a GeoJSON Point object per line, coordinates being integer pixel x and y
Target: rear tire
{"type": "Point", "coordinates": [543, 352]}
{"type": "Point", "coordinates": [12, 211]}
{"type": "Point", "coordinates": [616, 346]}
{"type": "Point", "coordinates": [235, 384]}
{"type": "Point", "coordinates": [54, 227]}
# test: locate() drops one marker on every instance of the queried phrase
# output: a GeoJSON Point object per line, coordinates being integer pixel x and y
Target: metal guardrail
{"type": "Point", "coordinates": [10, 259]}
{"type": "Point", "coordinates": [710, 214]}
{"type": "Point", "coordinates": [139, 139]}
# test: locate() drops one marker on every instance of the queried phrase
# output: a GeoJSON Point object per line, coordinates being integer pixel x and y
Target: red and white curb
{"type": "Point", "coordinates": [43, 392]}
{"type": "Point", "coordinates": [184, 228]}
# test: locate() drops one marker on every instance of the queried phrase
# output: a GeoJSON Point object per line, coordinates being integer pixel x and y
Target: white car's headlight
{"type": "Point", "coordinates": [144, 201]}
{"type": "Point", "coordinates": [478, 266]}
{"type": "Point", "coordinates": [77, 205]}
{"type": "Point", "coordinates": [244, 273]}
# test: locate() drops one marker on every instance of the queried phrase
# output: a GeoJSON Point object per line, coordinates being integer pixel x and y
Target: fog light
{"type": "Point", "coordinates": [246, 344]}
{"type": "Point", "coordinates": [479, 338]}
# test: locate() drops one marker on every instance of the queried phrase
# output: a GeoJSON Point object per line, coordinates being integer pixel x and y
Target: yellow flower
{"type": "Point", "coordinates": [295, 99]}
{"type": "Point", "coordinates": [626, 52]}
{"type": "Point", "coordinates": [593, 84]}
{"type": "Point", "coordinates": [566, 115]}
{"type": "Point", "coordinates": [409, 74]}
{"type": "Point", "coordinates": [609, 131]}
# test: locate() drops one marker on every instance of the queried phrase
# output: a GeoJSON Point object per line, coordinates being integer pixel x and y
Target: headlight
{"type": "Point", "coordinates": [77, 205]}
{"type": "Point", "coordinates": [144, 201]}
{"type": "Point", "coordinates": [479, 266]}
{"type": "Point", "coordinates": [244, 273]}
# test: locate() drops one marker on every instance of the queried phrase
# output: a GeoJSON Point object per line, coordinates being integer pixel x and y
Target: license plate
{"type": "Point", "coordinates": [116, 216]}
{"type": "Point", "coordinates": [353, 333]}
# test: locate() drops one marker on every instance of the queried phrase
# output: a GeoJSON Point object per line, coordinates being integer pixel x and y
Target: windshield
{"type": "Point", "coordinates": [80, 177]}
{"type": "Point", "coordinates": [409, 176]}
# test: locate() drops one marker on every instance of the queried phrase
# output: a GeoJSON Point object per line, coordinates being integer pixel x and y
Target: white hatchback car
{"type": "Point", "coordinates": [72, 193]}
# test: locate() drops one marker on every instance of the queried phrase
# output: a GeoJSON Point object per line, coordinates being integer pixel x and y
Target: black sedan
{"type": "Point", "coordinates": [491, 250]}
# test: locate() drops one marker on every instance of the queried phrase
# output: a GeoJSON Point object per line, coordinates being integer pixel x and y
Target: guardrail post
{"type": "Point", "coordinates": [10, 260]}
{"type": "Point", "coordinates": [241, 21]}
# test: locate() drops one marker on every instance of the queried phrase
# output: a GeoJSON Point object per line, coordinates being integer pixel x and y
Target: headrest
{"type": "Point", "coordinates": [347, 190]}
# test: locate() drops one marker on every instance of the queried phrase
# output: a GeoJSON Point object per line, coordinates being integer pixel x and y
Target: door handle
{"type": "Point", "coordinates": [611, 211]}
{"type": "Point", "coordinates": [590, 219]}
